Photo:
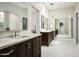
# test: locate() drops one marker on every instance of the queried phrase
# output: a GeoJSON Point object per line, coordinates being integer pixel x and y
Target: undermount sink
{"type": "Point", "coordinates": [24, 36]}
{"type": "Point", "coordinates": [19, 37]}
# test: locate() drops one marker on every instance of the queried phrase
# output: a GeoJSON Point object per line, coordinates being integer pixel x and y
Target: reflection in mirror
{"type": "Point", "coordinates": [24, 23]}
{"type": "Point", "coordinates": [9, 21]}
{"type": "Point", "coordinates": [42, 21]}
{"type": "Point", "coordinates": [1, 20]}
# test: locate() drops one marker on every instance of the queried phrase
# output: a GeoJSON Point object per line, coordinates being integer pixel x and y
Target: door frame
{"type": "Point", "coordinates": [71, 27]}
{"type": "Point", "coordinates": [77, 27]}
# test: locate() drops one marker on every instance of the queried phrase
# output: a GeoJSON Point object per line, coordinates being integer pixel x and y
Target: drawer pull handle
{"type": "Point", "coordinates": [6, 54]}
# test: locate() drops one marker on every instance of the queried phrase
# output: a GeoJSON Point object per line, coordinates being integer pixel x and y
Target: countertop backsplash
{"type": "Point", "coordinates": [5, 34]}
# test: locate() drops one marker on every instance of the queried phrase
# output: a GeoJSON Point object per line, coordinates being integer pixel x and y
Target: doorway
{"type": "Point", "coordinates": [64, 25]}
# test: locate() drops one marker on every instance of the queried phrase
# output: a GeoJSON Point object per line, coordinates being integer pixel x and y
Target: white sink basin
{"type": "Point", "coordinates": [19, 37]}
{"type": "Point", "coordinates": [24, 36]}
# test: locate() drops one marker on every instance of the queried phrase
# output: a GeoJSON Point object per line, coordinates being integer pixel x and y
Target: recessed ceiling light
{"type": "Point", "coordinates": [51, 4]}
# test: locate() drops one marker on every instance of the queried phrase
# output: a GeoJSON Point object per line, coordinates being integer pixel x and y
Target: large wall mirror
{"type": "Point", "coordinates": [9, 21]}
{"type": "Point", "coordinates": [42, 22]}
{"type": "Point", "coordinates": [13, 17]}
{"type": "Point", "coordinates": [1, 20]}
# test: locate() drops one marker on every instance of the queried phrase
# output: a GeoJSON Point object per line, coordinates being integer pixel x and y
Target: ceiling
{"type": "Point", "coordinates": [57, 5]}
{"type": "Point", "coordinates": [21, 4]}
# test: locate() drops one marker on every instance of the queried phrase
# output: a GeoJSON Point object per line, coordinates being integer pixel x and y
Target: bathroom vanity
{"type": "Point", "coordinates": [15, 22]}
{"type": "Point", "coordinates": [47, 37]}
{"type": "Point", "coordinates": [26, 46]}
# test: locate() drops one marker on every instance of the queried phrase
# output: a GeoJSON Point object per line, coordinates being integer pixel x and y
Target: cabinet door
{"type": "Point", "coordinates": [8, 52]}
{"type": "Point", "coordinates": [29, 48]}
{"type": "Point", "coordinates": [36, 48]}
{"type": "Point", "coordinates": [21, 49]}
{"type": "Point", "coordinates": [40, 40]}
{"type": "Point", "coordinates": [45, 38]}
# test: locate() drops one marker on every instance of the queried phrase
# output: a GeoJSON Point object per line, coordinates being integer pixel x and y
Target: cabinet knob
{"type": "Point", "coordinates": [6, 54]}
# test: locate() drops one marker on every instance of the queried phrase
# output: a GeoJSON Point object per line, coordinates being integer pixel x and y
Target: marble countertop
{"type": "Point", "coordinates": [46, 30]}
{"type": "Point", "coordinates": [9, 41]}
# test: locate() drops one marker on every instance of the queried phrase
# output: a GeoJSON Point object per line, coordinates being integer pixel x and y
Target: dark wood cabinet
{"type": "Point", "coordinates": [47, 37]}
{"type": "Point", "coordinates": [8, 52]}
{"type": "Point", "coordinates": [40, 37]}
{"type": "Point", "coordinates": [44, 38]}
{"type": "Point", "coordinates": [29, 48]}
{"type": "Point", "coordinates": [36, 47]}
{"type": "Point", "coordinates": [21, 49]}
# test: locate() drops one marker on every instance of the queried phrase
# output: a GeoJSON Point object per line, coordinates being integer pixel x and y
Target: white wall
{"type": "Point", "coordinates": [42, 8]}
{"type": "Point", "coordinates": [14, 23]}
{"type": "Point", "coordinates": [76, 9]}
{"type": "Point", "coordinates": [31, 15]}
{"type": "Point", "coordinates": [24, 12]}
{"type": "Point", "coordinates": [35, 20]}
{"type": "Point", "coordinates": [63, 29]}
{"type": "Point", "coordinates": [43, 11]}
{"type": "Point", "coordinates": [63, 13]}
{"type": "Point", "coordinates": [13, 8]}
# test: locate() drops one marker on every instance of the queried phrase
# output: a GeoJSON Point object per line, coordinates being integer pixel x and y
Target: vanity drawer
{"type": "Point", "coordinates": [36, 42]}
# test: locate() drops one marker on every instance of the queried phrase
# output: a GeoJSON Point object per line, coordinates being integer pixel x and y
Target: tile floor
{"type": "Point", "coordinates": [61, 47]}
